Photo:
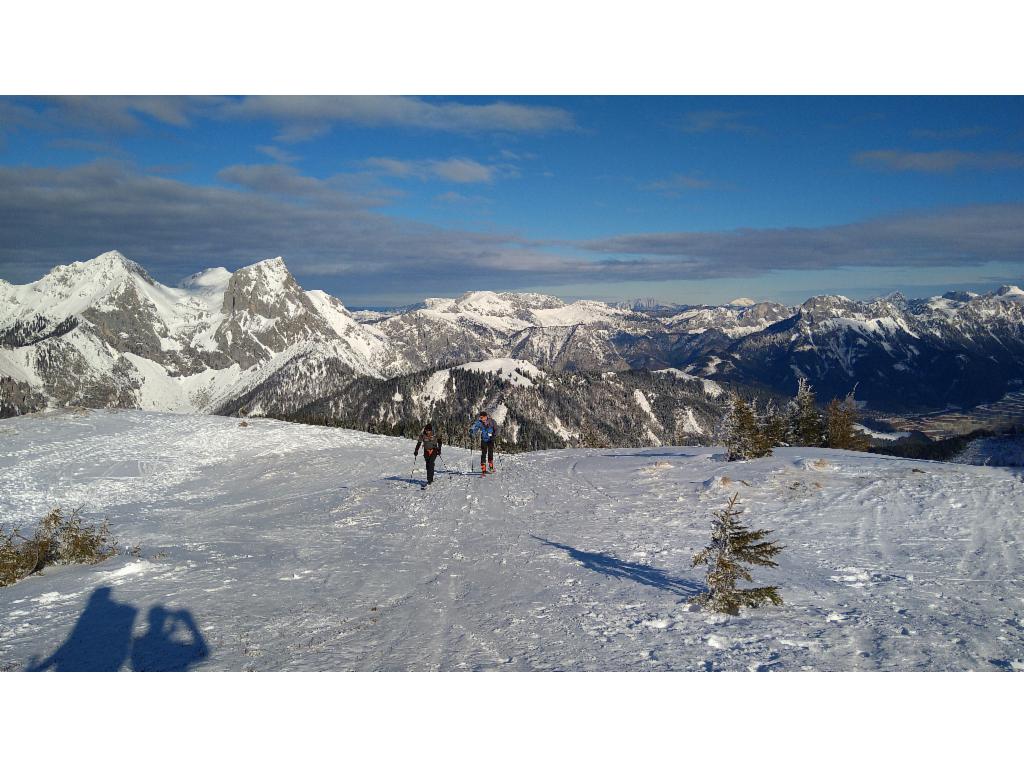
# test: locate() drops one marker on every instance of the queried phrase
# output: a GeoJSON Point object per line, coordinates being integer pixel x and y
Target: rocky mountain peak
{"type": "Point", "coordinates": [107, 269]}
{"type": "Point", "coordinates": [765, 310]}
{"type": "Point", "coordinates": [504, 304]}
{"type": "Point", "coordinates": [1010, 292]}
{"type": "Point", "coordinates": [265, 288]}
{"type": "Point", "coordinates": [961, 296]}
{"type": "Point", "coordinates": [820, 308]}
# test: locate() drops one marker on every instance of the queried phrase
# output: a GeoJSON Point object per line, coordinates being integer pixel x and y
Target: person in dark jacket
{"type": "Point", "coordinates": [488, 435]}
{"type": "Point", "coordinates": [431, 449]}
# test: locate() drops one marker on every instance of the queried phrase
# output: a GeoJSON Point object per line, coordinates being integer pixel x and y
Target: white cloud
{"type": "Point", "coordinates": [942, 161]}
{"type": "Point", "coordinates": [463, 171]}
{"type": "Point", "coordinates": [677, 183]}
{"type": "Point", "coordinates": [124, 113]}
{"type": "Point", "coordinates": [947, 134]}
{"type": "Point", "coordinates": [299, 118]}
{"type": "Point", "coordinates": [305, 117]}
{"type": "Point", "coordinates": [709, 120]}
{"type": "Point", "coordinates": [278, 154]}
{"type": "Point", "coordinates": [951, 237]}
{"type": "Point", "coordinates": [459, 170]}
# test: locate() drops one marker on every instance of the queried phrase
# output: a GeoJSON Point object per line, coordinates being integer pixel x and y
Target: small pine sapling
{"type": "Point", "coordinates": [732, 546]}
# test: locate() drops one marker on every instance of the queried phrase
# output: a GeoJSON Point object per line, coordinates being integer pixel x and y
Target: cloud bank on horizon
{"type": "Point", "coordinates": [387, 199]}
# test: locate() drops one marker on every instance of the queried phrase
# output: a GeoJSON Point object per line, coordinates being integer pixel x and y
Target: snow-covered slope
{"type": "Point", "coordinates": [285, 547]}
{"type": "Point", "coordinates": [520, 373]}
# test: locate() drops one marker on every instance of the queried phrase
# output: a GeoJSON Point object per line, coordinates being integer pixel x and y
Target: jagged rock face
{"type": "Point", "coordinates": [265, 312]}
{"type": "Point", "coordinates": [266, 289]}
{"type": "Point", "coordinates": [128, 323]}
{"type": "Point", "coordinates": [98, 380]}
{"type": "Point", "coordinates": [424, 341]}
{"type": "Point", "coordinates": [18, 398]}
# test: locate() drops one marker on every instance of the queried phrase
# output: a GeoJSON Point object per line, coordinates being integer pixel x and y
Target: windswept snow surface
{"type": "Point", "coordinates": [280, 546]}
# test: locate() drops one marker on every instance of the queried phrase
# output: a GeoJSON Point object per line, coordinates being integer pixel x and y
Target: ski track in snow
{"type": "Point", "coordinates": [298, 547]}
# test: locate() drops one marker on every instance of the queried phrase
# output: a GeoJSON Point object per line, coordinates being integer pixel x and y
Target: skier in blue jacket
{"type": "Point", "coordinates": [488, 434]}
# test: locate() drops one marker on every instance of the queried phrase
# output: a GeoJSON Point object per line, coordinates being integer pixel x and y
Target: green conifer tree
{"type": "Point", "coordinates": [840, 417]}
{"type": "Point", "coordinates": [742, 433]}
{"type": "Point", "coordinates": [773, 425]}
{"type": "Point", "coordinates": [733, 546]}
{"type": "Point", "coordinates": [805, 418]}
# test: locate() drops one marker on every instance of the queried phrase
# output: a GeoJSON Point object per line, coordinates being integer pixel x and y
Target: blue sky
{"type": "Point", "coordinates": [386, 200]}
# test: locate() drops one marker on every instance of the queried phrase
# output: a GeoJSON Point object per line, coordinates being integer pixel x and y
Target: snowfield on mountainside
{"type": "Point", "coordinates": [288, 547]}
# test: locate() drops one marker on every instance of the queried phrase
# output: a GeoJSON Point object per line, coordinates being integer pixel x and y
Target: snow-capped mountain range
{"type": "Point", "coordinates": [104, 333]}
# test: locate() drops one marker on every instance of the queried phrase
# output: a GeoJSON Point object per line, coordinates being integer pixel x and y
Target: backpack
{"type": "Point", "coordinates": [430, 444]}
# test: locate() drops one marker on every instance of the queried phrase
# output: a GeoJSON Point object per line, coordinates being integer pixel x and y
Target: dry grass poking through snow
{"type": "Point", "coordinates": [58, 539]}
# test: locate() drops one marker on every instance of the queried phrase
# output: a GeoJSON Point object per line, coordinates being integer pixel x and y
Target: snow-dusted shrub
{"type": "Point", "coordinates": [733, 545]}
{"type": "Point", "coordinates": [58, 539]}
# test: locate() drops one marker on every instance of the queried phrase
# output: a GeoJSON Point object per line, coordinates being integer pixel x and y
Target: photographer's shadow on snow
{"type": "Point", "coordinates": [102, 640]}
{"type": "Point", "coordinates": [173, 642]}
{"type": "Point", "coordinates": [607, 565]}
